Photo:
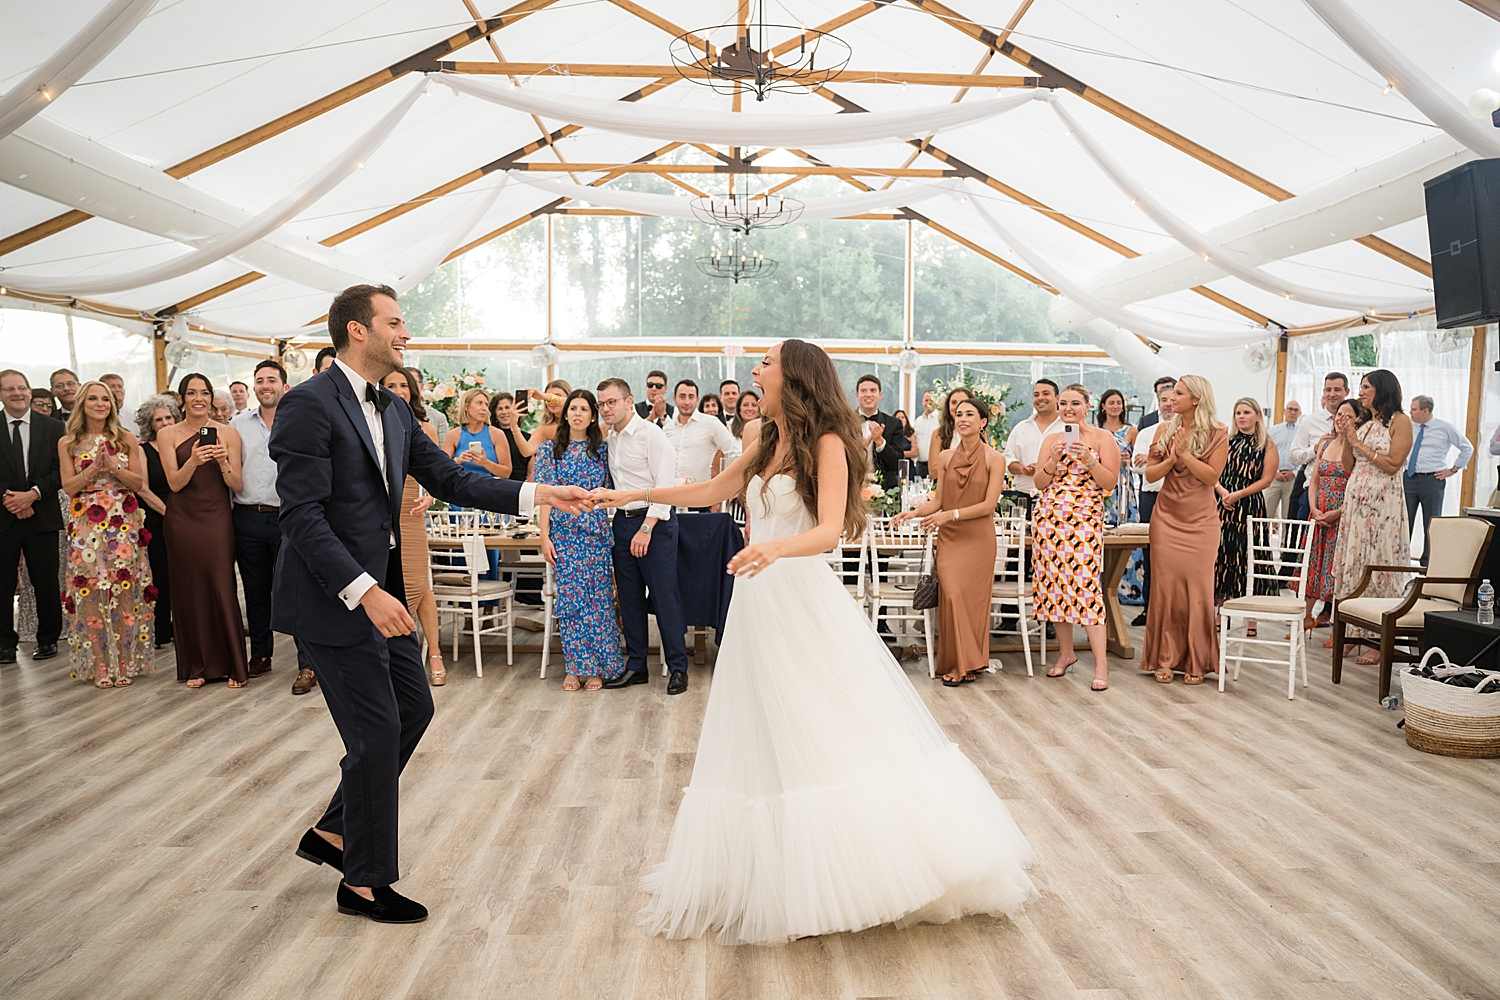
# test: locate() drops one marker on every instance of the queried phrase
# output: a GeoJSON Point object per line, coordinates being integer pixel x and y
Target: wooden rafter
{"type": "Point", "coordinates": [732, 169]}
{"type": "Point", "coordinates": [42, 230]}
{"type": "Point", "coordinates": [633, 71]}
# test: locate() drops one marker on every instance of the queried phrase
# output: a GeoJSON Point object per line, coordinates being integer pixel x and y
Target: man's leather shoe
{"type": "Point", "coordinates": [628, 678]}
{"type": "Point", "coordinates": [319, 851]}
{"type": "Point", "coordinates": [44, 651]}
{"type": "Point", "coordinates": [305, 682]}
{"type": "Point", "coordinates": [1139, 619]}
{"type": "Point", "coordinates": [678, 682]}
{"type": "Point", "coordinates": [7, 656]}
{"type": "Point", "coordinates": [258, 665]}
{"type": "Point", "coordinates": [388, 906]}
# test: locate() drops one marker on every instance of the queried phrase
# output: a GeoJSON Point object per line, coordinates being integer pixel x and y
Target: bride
{"type": "Point", "coordinates": [824, 796]}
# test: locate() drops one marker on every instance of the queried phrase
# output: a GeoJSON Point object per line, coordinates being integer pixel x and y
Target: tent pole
{"type": "Point", "coordinates": [159, 354]}
{"type": "Point", "coordinates": [1279, 400]}
{"type": "Point", "coordinates": [1471, 419]}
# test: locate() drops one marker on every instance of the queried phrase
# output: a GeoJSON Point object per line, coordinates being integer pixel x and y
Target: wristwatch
{"type": "Point", "coordinates": [645, 529]}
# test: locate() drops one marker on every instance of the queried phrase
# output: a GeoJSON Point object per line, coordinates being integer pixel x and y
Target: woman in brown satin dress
{"type": "Point", "coordinates": [1189, 455]}
{"type": "Point", "coordinates": [206, 623]}
{"type": "Point", "coordinates": [969, 478]}
{"type": "Point", "coordinates": [414, 504]}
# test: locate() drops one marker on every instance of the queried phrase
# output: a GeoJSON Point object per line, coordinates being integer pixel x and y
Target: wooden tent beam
{"type": "Point", "coordinates": [42, 230]}
{"type": "Point", "coordinates": [1471, 418]}
{"type": "Point", "coordinates": [629, 71]}
{"type": "Point", "coordinates": [737, 169]}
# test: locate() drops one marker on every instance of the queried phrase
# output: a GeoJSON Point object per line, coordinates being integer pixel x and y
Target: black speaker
{"type": "Point", "coordinates": [1463, 229]}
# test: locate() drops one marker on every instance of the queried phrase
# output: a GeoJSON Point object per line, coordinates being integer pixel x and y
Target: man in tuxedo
{"type": "Point", "coordinates": [884, 434]}
{"type": "Point", "coordinates": [656, 407]}
{"type": "Point", "coordinates": [343, 446]}
{"type": "Point", "coordinates": [29, 518]}
{"type": "Point", "coordinates": [64, 385]}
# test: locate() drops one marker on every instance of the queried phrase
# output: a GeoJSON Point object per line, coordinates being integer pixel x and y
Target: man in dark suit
{"type": "Point", "coordinates": [30, 518]}
{"type": "Point", "coordinates": [657, 407]}
{"type": "Point", "coordinates": [342, 451]}
{"type": "Point", "coordinates": [883, 432]}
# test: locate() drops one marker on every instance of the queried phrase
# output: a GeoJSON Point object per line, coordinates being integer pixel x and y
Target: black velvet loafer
{"type": "Point", "coordinates": [388, 906]}
{"type": "Point", "coordinates": [319, 851]}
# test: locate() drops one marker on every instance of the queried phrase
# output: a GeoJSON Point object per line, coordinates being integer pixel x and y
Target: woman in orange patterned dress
{"type": "Point", "coordinates": [1068, 529]}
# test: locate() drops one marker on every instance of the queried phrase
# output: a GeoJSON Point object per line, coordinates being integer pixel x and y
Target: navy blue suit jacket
{"type": "Point", "coordinates": [337, 514]}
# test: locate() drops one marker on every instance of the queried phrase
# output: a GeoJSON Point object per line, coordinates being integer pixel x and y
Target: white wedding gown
{"type": "Point", "coordinates": [824, 797]}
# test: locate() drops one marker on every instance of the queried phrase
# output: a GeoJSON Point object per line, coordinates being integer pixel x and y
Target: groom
{"type": "Point", "coordinates": [343, 446]}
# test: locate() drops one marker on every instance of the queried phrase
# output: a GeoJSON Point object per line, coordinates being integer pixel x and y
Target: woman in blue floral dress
{"type": "Point", "coordinates": [578, 547]}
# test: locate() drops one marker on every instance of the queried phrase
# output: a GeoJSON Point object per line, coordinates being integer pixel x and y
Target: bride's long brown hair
{"type": "Point", "coordinates": [813, 404]}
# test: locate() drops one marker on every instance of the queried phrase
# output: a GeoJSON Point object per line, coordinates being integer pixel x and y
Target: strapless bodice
{"type": "Point", "coordinates": [775, 509]}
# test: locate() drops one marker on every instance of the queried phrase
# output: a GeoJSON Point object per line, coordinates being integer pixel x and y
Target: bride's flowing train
{"type": "Point", "coordinates": [824, 796]}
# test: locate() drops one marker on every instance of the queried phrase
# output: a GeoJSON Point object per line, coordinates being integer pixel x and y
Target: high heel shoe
{"type": "Point", "coordinates": [437, 674]}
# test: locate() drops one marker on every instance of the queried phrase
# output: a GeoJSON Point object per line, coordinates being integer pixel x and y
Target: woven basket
{"type": "Point", "coordinates": [1448, 720]}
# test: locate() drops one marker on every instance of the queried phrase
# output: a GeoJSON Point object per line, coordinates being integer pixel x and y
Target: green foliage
{"type": "Point", "coordinates": [997, 431]}
{"type": "Point", "coordinates": [1362, 352]}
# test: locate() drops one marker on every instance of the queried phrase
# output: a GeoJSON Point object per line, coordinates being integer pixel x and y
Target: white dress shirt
{"type": "Point", "coordinates": [695, 444]}
{"type": "Point", "coordinates": [1438, 439]}
{"type": "Point", "coordinates": [641, 458]}
{"type": "Point", "coordinates": [924, 426]}
{"type": "Point", "coordinates": [10, 423]}
{"type": "Point", "coordinates": [1024, 446]}
{"type": "Point", "coordinates": [257, 471]}
{"type": "Point", "coordinates": [351, 594]}
{"type": "Point", "coordinates": [1310, 430]}
{"type": "Point", "coordinates": [1144, 439]}
{"type": "Point", "coordinates": [1284, 434]}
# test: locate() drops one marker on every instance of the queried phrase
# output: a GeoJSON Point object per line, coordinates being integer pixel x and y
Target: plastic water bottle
{"type": "Point", "coordinates": [1486, 603]}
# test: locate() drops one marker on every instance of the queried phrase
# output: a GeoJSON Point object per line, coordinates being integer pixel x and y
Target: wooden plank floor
{"type": "Point", "coordinates": [1192, 845]}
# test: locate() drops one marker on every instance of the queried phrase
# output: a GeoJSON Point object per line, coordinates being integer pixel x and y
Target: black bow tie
{"type": "Point", "coordinates": [380, 399]}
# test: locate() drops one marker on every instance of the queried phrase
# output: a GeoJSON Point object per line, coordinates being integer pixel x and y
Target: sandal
{"type": "Point", "coordinates": [949, 681]}
{"type": "Point", "coordinates": [1099, 684]}
{"type": "Point", "coordinates": [1192, 678]}
{"type": "Point", "coordinates": [1368, 660]}
{"type": "Point", "coordinates": [1250, 631]}
{"type": "Point", "coordinates": [1328, 643]}
{"type": "Point", "coordinates": [235, 685]}
{"type": "Point", "coordinates": [104, 682]}
{"type": "Point", "coordinates": [594, 684]}
{"type": "Point", "coordinates": [438, 676]}
{"type": "Point", "coordinates": [1309, 623]}
{"type": "Point", "coordinates": [570, 683]}
{"type": "Point", "coordinates": [1164, 677]}
{"type": "Point", "coordinates": [195, 682]}
{"type": "Point", "coordinates": [123, 682]}
{"type": "Point", "coordinates": [1064, 671]}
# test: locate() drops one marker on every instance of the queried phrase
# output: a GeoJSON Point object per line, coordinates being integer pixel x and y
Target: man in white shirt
{"type": "Point", "coordinates": [925, 426]}
{"type": "Point", "coordinates": [116, 385]}
{"type": "Point", "coordinates": [696, 438]}
{"type": "Point", "coordinates": [1149, 491]}
{"type": "Point", "coordinates": [240, 393]}
{"type": "Point", "coordinates": [257, 536]}
{"type": "Point", "coordinates": [1026, 437]}
{"type": "Point", "coordinates": [1427, 468]}
{"type": "Point", "coordinates": [1310, 430]}
{"type": "Point", "coordinates": [645, 549]}
{"type": "Point", "coordinates": [1280, 491]}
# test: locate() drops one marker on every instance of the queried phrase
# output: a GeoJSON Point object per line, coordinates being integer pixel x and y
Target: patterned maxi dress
{"type": "Point", "coordinates": [1372, 529]}
{"type": "Point", "coordinates": [1068, 551]}
{"type": "Point", "coordinates": [1243, 467]}
{"type": "Point", "coordinates": [585, 604]}
{"type": "Point", "coordinates": [108, 598]}
{"type": "Point", "coordinates": [1332, 481]}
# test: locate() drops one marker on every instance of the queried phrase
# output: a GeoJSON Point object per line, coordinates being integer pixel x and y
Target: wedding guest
{"type": "Point", "coordinates": [324, 360]}
{"type": "Point", "coordinates": [1248, 469]}
{"type": "Point", "coordinates": [1188, 458]}
{"type": "Point", "coordinates": [64, 384]}
{"type": "Point", "coordinates": [885, 440]}
{"type": "Point", "coordinates": [257, 534]}
{"type": "Point", "coordinates": [1072, 480]}
{"type": "Point", "coordinates": [504, 419]}
{"type": "Point", "coordinates": [709, 404]}
{"type": "Point", "coordinates": [108, 597]}
{"type": "Point", "coordinates": [909, 433]}
{"type": "Point", "coordinates": [645, 539]}
{"type": "Point", "coordinates": [1110, 416]}
{"type": "Point", "coordinates": [698, 440]}
{"type": "Point", "coordinates": [943, 437]}
{"type": "Point", "coordinates": [207, 628]}
{"type": "Point", "coordinates": [420, 603]}
{"type": "Point", "coordinates": [435, 416]}
{"type": "Point", "coordinates": [474, 444]}
{"type": "Point", "coordinates": [1428, 468]}
{"type": "Point", "coordinates": [1144, 439]}
{"type": "Point", "coordinates": [970, 476]}
{"type": "Point", "coordinates": [657, 406]}
{"type": "Point", "coordinates": [746, 409]}
{"type": "Point", "coordinates": [552, 400]}
{"type": "Point", "coordinates": [1279, 493]}
{"type": "Point", "coordinates": [729, 398]}
{"type": "Point", "coordinates": [1373, 530]}
{"type": "Point", "coordinates": [1161, 388]}
{"type": "Point", "coordinates": [923, 428]}
{"type": "Point", "coordinates": [30, 518]}
{"type": "Point", "coordinates": [1310, 430]}
{"type": "Point", "coordinates": [240, 393]}
{"type": "Point", "coordinates": [43, 403]}
{"type": "Point", "coordinates": [1023, 450]}
{"type": "Point", "coordinates": [223, 407]}
{"type": "Point", "coordinates": [151, 416]}
{"type": "Point", "coordinates": [578, 547]}
{"type": "Point", "coordinates": [116, 385]}
{"type": "Point", "coordinates": [1326, 484]}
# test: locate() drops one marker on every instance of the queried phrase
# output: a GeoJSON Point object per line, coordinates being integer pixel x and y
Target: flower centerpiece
{"type": "Point", "coordinates": [444, 394]}
{"type": "Point", "coordinates": [997, 431]}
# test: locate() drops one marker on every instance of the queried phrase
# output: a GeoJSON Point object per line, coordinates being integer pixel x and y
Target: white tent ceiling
{"type": "Point", "coordinates": [1265, 85]}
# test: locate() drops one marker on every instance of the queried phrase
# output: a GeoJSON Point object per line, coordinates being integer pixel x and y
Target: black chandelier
{"type": "Point", "coordinates": [737, 265]}
{"type": "Point", "coordinates": [745, 61]}
{"type": "Point", "coordinates": [741, 212]}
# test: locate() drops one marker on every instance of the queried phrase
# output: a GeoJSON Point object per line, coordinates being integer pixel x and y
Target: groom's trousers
{"type": "Point", "coordinates": [378, 696]}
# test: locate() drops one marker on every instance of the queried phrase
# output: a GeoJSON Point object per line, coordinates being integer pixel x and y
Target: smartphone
{"type": "Point", "coordinates": [208, 436]}
{"type": "Point", "coordinates": [1070, 434]}
{"type": "Point", "coordinates": [523, 400]}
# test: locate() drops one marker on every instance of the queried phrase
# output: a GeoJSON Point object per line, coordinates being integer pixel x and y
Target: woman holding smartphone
{"type": "Point", "coordinates": [201, 458]}
{"type": "Point", "coordinates": [474, 444]}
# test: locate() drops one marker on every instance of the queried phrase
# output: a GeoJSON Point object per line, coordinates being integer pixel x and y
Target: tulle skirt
{"type": "Point", "coordinates": [824, 796]}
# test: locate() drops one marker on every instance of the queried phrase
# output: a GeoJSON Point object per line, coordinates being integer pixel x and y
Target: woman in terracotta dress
{"type": "Point", "coordinates": [969, 478]}
{"type": "Point", "coordinates": [414, 504]}
{"type": "Point", "coordinates": [1188, 458]}
{"type": "Point", "coordinates": [1326, 484]}
{"type": "Point", "coordinates": [1067, 554]}
{"type": "Point", "coordinates": [207, 626]}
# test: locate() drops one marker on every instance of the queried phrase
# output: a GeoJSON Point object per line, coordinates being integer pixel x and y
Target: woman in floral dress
{"type": "Point", "coordinates": [108, 595]}
{"type": "Point", "coordinates": [578, 547]}
{"type": "Point", "coordinates": [1326, 485]}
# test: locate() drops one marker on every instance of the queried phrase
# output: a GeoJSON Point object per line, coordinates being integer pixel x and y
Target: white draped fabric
{"type": "Point", "coordinates": [82, 53]}
{"type": "Point", "coordinates": [1134, 322]}
{"type": "Point", "coordinates": [1225, 260]}
{"type": "Point", "coordinates": [219, 247]}
{"type": "Point", "coordinates": [669, 206]}
{"type": "Point", "coordinates": [463, 224]}
{"type": "Point", "coordinates": [1440, 107]}
{"type": "Point", "coordinates": [715, 127]}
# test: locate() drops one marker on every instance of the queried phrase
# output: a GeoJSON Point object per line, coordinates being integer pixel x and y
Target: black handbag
{"type": "Point", "coordinates": [925, 597]}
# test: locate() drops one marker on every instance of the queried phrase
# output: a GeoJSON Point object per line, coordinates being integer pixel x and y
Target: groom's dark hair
{"type": "Point", "coordinates": [354, 304]}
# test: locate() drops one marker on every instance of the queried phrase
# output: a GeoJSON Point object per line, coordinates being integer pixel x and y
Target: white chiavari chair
{"type": "Point", "coordinates": [1011, 597]}
{"type": "Point", "coordinates": [458, 561]}
{"type": "Point", "coordinates": [896, 558]}
{"type": "Point", "coordinates": [848, 560]}
{"type": "Point", "coordinates": [1276, 556]}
